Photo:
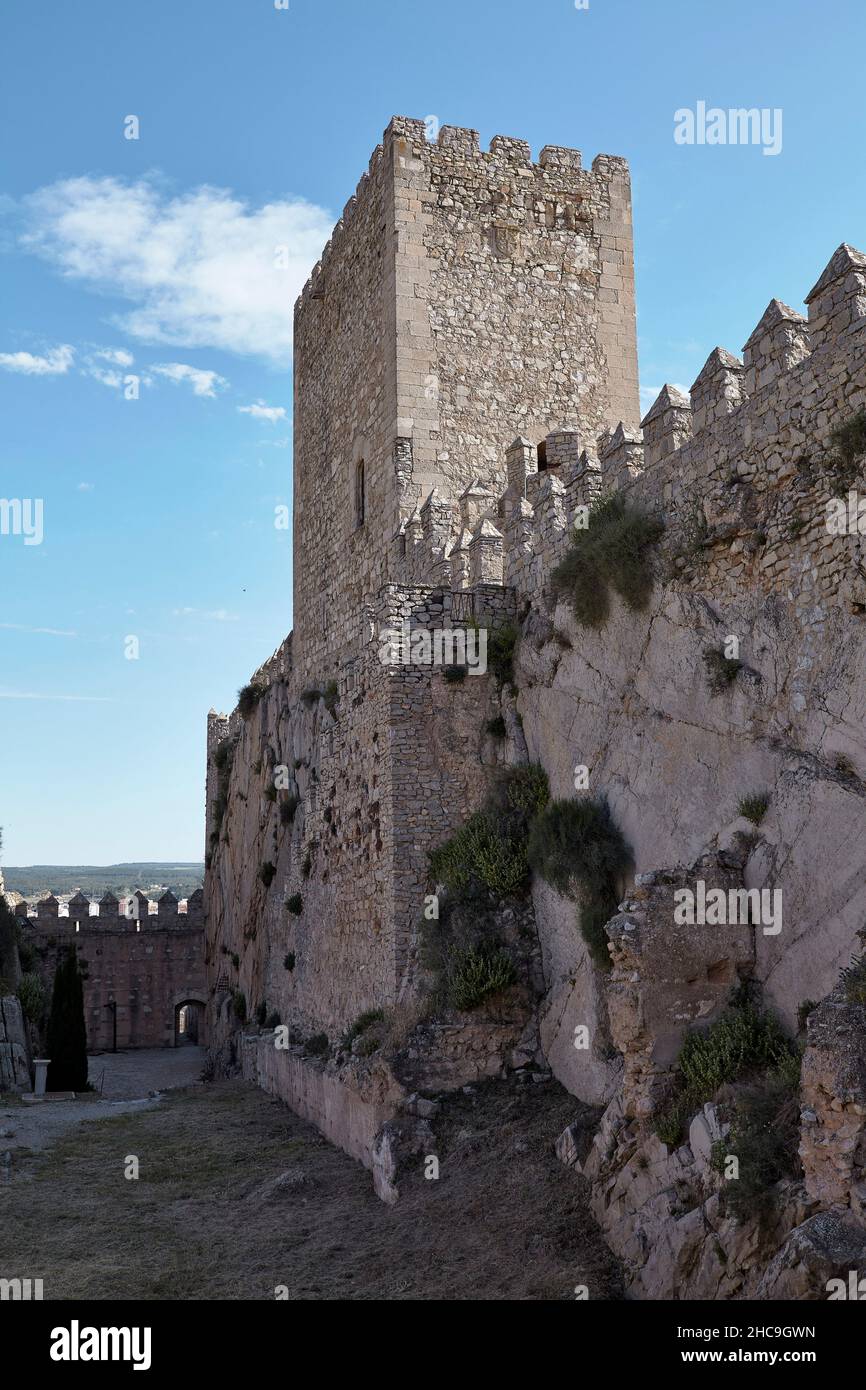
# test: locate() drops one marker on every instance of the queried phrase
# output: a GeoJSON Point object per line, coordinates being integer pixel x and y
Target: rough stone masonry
{"type": "Point", "coordinates": [466, 382]}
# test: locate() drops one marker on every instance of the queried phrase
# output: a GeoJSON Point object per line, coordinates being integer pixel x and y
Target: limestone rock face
{"type": "Point", "coordinates": [14, 1046]}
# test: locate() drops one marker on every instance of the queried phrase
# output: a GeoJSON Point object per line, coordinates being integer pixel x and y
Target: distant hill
{"type": "Point", "coordinates": [35, 880]}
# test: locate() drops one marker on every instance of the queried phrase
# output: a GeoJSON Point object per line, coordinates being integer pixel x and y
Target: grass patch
{"type": "Point", "coordinates": [485, 849]}
{"type": "Point", "coordinates": [248, 698]}
{"type": "Point", "coordinates": [496, 726]}
{"type": "Point", "coordinates": [295, 904]}
{"type": "Point", "coordinates": [613, 552]}
{"type": "Point", "coordinates": [853, 978]}
{"type": "Point", "coordinates": [361, 1024]}
{"type": "Point", "coordinates": [744, 1041]}
{"type": "Point", "coordinates": [527, 789]}
{"type": "Point", "coordinates": [501, 643]}
{"type": "Point", "coordinates": [754, 807]}
{"type": "Point", "coordinates": [764, 1137]}
{"type": "Point", "coordinates": [721, 670]}
{"type": "Point", "coordinates": [849, 446]}
{"type": "Point", "coordinates": [317, 1045]}
{"type": "Point", "coordinates": [476, 972]}
{"type": "Point", "coordinates": [576, 848]}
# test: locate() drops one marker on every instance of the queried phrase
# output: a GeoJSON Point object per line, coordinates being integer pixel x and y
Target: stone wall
{"type": "Point", "coordinates": [464, 296]}
{"type": "Point", "coordinates": [344, 796]}
{"type": "Point", "coordinates": [147, 965]}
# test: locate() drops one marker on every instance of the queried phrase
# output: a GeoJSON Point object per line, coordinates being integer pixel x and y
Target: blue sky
{"type": "Point", "coordinates": [152, 258]}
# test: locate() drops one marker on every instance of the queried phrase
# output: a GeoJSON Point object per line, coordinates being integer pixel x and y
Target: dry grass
{"type": "Point", "coordinates": [236, 1195]}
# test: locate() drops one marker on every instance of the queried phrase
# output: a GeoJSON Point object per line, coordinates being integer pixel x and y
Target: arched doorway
{"type": "Point", "coordinates": [189, 1020]}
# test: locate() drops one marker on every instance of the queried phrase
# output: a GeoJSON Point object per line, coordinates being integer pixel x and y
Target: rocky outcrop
{"type": "Point", "coordinates": [14, 1046]}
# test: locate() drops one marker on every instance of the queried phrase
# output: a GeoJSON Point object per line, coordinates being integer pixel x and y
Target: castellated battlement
{"type": "Point", "coordinates": [464, 298]}
{"type": "Point", "coordinates": [748, 426]}
{"type": "Point", "coordinates": [85, 914]}
{"type": "Point", "coordinates": [457, 149]}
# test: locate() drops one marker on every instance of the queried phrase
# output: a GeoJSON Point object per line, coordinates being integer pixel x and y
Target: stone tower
{"type": "Point", "coordinates": [465, 298]}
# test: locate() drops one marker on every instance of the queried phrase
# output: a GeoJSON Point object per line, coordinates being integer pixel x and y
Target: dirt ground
{"type": "Point", "coordinates": [236, 1196]}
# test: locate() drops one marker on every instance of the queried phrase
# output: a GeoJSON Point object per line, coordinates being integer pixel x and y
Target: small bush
{"type": "Point", "coordinates": [311, 696]}
{"type": "Point", "coordinates": [576, 848]}
{"type": "Point", "coordinates": [796, 527]}
{"type": "Point", "coordinates": [295, 904]}
{"type": "Point", "coordinates": [270, 793]}
{"type": "Point", "coordinates": [261, 1013]}
{"type": "Point", "coordinates": [317, 1045]}
{"type": "Point", "coordinates": [754, 807]}
{"type": "Point", "coordinates": [849, 445]}
{"type": "Point", "coordinates": [853, 977]}
{"type": "Point", "coordinates": [576, 842]}
{"type": "Point", "coordinates": [239, 1004]}
{"type": "Point", "coordinates": [528, 789]}
{"type": "Point", "coordinates": [476, 972]}
{"type": "Point", "coordinates": [613, 552]}
{"type": "Point", "coordinates": [361, 1024]}
{"type": "Point", "coordinates": [273, 1020]}
{"type": "Point", "coordinates": [764, 1137]}
{"type": "Point", "coordinates": [248, 698]}
{"type": "Point", "coordinates": [267, 872]}
{"type": "Point", "coordinates": [454, 675]}
{"type": "Point", "coordinates": [289, 960]}
{"type": "Point", "coordinates": [331, 696]}
{"type": "Point", "coordinates": [501, 643]}
{"type": "Point", "coordinates": [31, 994]}
{"type": "Point", "coordinates": [743, 1039]}
{"type": "Point", "coordinates": [721, 670]}
{"type": "Point", "coordinates": [288, 807]}
{"type": "Point", "coordinates": [236, 960]}
{"type": "Point", "coordinates": [496, 726]}
{"type": "Point", "coordinates": [486, 850]}
{"type": "Point", "coordinates": [307, 866]}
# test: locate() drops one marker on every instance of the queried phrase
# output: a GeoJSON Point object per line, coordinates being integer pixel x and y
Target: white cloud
{"type": "Point", "coordinates": [260, 411]}
{"type": "Point", "coordinates": [47, 631]}
{"type": "Point", "coordinates": [107, 375]}
{"type": "Point", "coordinates": [85, 487]}
{"type": "Point", "coordinates": [203, 383]}
{"type": "Point", "coordinates": [214, 615]}
{"type": "Point", "coordinates": [54, 362]}
{"type": "Point", "coordinates": [203, 269]}
{"type": "Point", "coordinates": [118, 357]}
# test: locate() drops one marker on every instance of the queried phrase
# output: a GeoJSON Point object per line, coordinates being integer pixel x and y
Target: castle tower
{"type": "Point", "coordinates": [466, 297]}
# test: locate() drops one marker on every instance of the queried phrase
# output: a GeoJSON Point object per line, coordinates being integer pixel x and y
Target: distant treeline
{"type": "Point", "coordinates": [36, 880]}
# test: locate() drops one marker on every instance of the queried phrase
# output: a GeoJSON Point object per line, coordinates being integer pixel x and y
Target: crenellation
{"type": "Point", "coordinates": [667, 424]}
{"type": "Point", "coordinates": [837, 301]}
{"type": "Point", "coordinates": [718, 389]}
{"type": "Point", "coordinates": [779, 342]}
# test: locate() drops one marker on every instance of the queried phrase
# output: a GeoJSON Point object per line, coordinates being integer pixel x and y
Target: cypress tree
{"type": "Point", "coordinates": [67, 1036]}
